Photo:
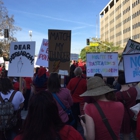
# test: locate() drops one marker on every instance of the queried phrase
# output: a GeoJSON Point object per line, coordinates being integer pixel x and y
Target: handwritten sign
{"type": "Point", "coordinates": [131, 47]}
{"type": "Point", "coordinates": [103, 63]}
{"type": "Point", "coordinates": [131, 67]}
{"type": "Point", "coordinates": [42, 59]}
{"type": "Point", "coordinates": [59, 50]}
{"type": "Point", "coordinates": [21, 60]}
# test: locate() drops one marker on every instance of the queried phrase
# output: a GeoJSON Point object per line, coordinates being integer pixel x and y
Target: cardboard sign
{"type": "Point", "coordinates": [131, 47]}
{"type": "Point", "coordinates": [59, 50]}
{"type": "Point", "coordinates": [131, 67]}
{"type": "Point", "coordinates": [21, 60]}
{"type": "Point", "coordinates": [103, 63]}
{"type": "Point", "coordinates": [42, 59]}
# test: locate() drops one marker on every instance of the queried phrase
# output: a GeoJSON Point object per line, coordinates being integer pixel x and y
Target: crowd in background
{"type": "Point", "coordinates": [46, 118]}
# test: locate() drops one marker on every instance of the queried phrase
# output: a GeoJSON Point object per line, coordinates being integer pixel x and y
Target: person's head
{"type": "Point", "coordinates": [54, 83]}
{"type": "Point", "coordinates": [78, 71]}
{"type": "Point", "coordinates": [41, 71]}
{"type": "Point", "coordinates": [121, 79]}
{"type": "Point", "coordinates": [72, 68]}
{"type": "Point", "coordinates": [97, 88]}
{"type": "Point", "coordinates": [5, 85]}
{"type": "Point", "coordinates": [110, 81]}
{"type": "Point", "coordinates": [43, 121]}
{"type": "Point", "coordinates": [99, 75]}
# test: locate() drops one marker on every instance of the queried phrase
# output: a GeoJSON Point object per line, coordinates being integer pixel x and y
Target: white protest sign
{"type": "Point", "coordinates": [6, 65]}
{"type": "Point", "coordinates": [131, 67]}
{"type": "Point", "coordinates": [131, 47]}
{"type": "Point", "coordinates": [103, 63]}
{"type": "Point", "coordinates": [21, 60]}
{"type": "Point", "coordinates": [35, 59]}
{"type": "Point", "coordinates": [1, 60]}
{"type": "Point", "coordinates": [74, 57]}
{"type": "Point", "coordinates": [42, 59]}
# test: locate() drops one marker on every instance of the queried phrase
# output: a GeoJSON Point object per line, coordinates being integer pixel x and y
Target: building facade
{"type": "Point", "coordinates": [119, 21]}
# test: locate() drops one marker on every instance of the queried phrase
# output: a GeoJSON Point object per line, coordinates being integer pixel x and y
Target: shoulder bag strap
{"type": "Point", "coordinates": [12, 95]}
{"type": "Point", "coordinates": [125, 104]}
{"type": "Point", "coordinates": [76, 86]}
{"type": "Point", "coordinates": [114, 137]}
{"type": "Point", "coordinates": [59, 101]}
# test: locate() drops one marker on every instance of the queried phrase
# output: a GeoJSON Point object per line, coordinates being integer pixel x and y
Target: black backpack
{"type": "Point", "coordinates": [8, 117]}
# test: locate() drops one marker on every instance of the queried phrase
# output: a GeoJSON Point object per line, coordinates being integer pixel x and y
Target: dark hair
{"type": "Point", "coordinates": [5, 85]}
{"type": "Point", "coordinates": [72, 68]}
{"type": "Point", "coordinates": [121, 79]}
{"type": "Point", "coordinates": [99, 75]}
{"type": "Point", "coordinates": [109, 96]}
{"type": "Point", "coordinates": [54, 83]}
{"type": "Point", "coordinates": [42, 121]}
{"type": "Point", "coordinates": [110, 81]}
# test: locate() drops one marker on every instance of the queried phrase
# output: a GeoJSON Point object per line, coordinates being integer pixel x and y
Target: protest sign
{"type": "Point", "coordinates": [42, 59]}
{"type": "Point", "coordinates": [131, 67]}
{"type": "Point", "coordinates": [59, 50]}
{"type": "Point", "coordinates": [74, 56]}
{"type": "Point", "coordinates": [103, 63]}
{"type": "Point", "coordinates": [1, 60]}
{"type": "Point", "coordinates": [21, 59]}
{"type": "Point", "coordinates": [131, 47]}
{"type": "Point", "coordinates": [6, 63]}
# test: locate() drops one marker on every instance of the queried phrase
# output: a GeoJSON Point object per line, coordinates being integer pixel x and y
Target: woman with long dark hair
{"type": "Point", "coordinates": [54, 86]}
{"type": "Point", "coordinates": [43, 121]}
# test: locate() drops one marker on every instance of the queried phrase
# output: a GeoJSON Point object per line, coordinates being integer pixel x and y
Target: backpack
{"type": "Point", "coordinates": [8, 117]}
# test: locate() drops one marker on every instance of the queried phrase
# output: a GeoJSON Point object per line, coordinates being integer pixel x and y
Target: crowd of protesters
{"type": "Point", "coordinates": [100, 105]}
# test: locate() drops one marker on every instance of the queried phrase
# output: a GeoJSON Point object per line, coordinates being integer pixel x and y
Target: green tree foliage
{"type": "Point", "coordinates": [6, 22]}
{"type": "Point", "coordinates": [98, 46]}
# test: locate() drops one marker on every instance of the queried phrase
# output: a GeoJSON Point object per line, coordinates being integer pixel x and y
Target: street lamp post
{"type": "Point", "coordinates": [30, 34]}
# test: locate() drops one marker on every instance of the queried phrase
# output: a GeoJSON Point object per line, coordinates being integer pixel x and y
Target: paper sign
{"type": "Point", "coordinates": [6, 63]}
{"type": "Point", "coordinates": [135, 109]}
{"type": "Point", "coordinates": [42, 59]}
{"type": "Point", "coordinates": [131, 67]}
{"type": "Point", "coordinates": [74, 57]}
{"type": "Point", "coordinates": [1, 60]}
{"type": "Point", "coordinates": [63, 72]}
{"type": "Point", "coordinates": [131, 47]}
{"type": "Point", "coordinates": [103, 63]}
{"type": "Point", "coordinates": [21, 60]}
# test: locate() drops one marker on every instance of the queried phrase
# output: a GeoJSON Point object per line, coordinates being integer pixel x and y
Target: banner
{"type": "Point", "coordinates": [42, 59]}
{"type": "Point", "coordinates": [21, 59]}
{"type": "Point", "coordinates": [131, 47]}
{"type": "Point", "coordinates": [59, 50]}
{"type": "Point", "coordinates": [103, 63]}
{"type": "Point", "coordinates": [131, 67]}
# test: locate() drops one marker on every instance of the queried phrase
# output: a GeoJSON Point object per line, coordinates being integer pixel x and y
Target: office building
{"type": "Point", "coordinates": [119, 21]}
